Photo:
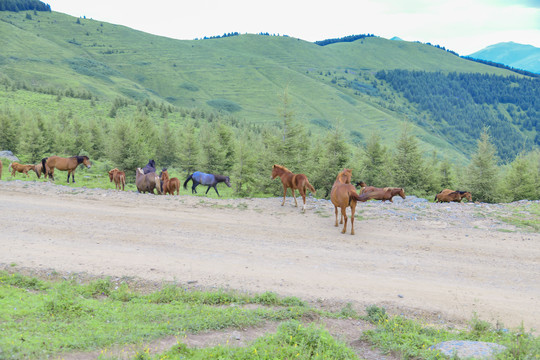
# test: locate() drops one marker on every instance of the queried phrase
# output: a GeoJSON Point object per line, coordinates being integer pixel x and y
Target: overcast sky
{"type": "Point", "coordinates": [464, 26]}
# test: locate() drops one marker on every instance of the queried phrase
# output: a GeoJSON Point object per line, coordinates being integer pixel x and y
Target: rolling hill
{"type": "Point", "coordinates": [242, 75]}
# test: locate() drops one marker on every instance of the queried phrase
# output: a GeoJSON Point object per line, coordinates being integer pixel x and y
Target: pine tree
{"type": "Point", "coordinates": [483, 171]}
{"type": "Point", "coordinates": [190, 149]}
{"type": "Point", "coordinates": [168, 148]}
{"type": "Point", "coordinates": [126, 147]}
{"type": "Point", "coordinates": [293, 148]}
{"type": "Point", "coordinates": [408, 167]}
{"type": "Point", "coordinates": [336, 156]}
{"type": "Point", "coordinates": [8, 132]}
{"type": "Point", "coordinates": [373, 162]}
{"type": "Point", "coordinates": [245, 169]}
{"type": "Point", "coordinates": [521, 181]}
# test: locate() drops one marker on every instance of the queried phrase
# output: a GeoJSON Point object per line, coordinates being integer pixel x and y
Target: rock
{"type": "Point", "coordinates": [6, 154]}
{"type": "Point", "coordinates": [465, 349]}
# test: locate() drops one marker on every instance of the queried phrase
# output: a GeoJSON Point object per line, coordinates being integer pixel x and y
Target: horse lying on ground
{"type": "Point", "coordinates": [22, 168]}
{"type": "Point", "coordinates": [119, 178]}
{"type": "Point", "coordinates": [209, 180]}
{"type": "Point", "coordinates": [150, 167]}
{"type": "Point", "coordinates": [383, 194]}
{"type": "Point", "coordinates": [69, 164]}
{"type": "Point", "coordinates": [169, 185]}
{"type": "Point", "coordinates": [294, 181]}
{"type": "Point", "coordinates": [448, 195]}
{"type": "Point", "coordinates": [344, 195]}
{"type": "Point", "coordinates": [147, 182]}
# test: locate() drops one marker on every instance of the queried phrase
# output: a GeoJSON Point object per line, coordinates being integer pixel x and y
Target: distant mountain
{"type": "Point", "coordinates": [519, 56]}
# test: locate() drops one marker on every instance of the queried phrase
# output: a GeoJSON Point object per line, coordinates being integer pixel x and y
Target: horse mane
{"type": "Point", "coordinates": [282, 168]}
{"type": "Point", "coordinates": [80, 158]}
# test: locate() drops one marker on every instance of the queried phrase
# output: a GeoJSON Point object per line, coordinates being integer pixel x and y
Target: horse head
{"type": "Point", "coordinates": [344, 176]}
{"type": "Point", "coordinates": [111, 173]}
{"type": "Point", "coordinates": [468, 195]}
{"type": "Point", "coordinates": [227, 181]}
{"type": "Point", "coordinates": [86, 161]}
{"type": "Point", "coordinates": [401, 193]}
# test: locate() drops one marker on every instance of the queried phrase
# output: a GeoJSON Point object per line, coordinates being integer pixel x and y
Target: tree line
{"type": "Point", "coordinates": [460, 105]}
{"type": "Point", "coordinates": [246, 152]}
{"type": "Point", "coordinates": [23, 5]}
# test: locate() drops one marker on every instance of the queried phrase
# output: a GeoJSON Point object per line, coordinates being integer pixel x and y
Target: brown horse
{"type": "Point", "coordinates": [344, 195]}
{"type": "Point", "coordinates": [22, 168]}
{"type": "Point", "coordinates": [383, 194]}
{"type": "Point", "coordinates": [169, 185]}
{"type": "Point", "coordinates": [448, 195]}
{"type": "Point", "coordinates": [119, 178]}
{"type": "Point", "coordinates": [38, 169]}
{"type": "Point", "coordinates": [147, 182]}
{"type": "Point", "coordinates": [294, 181]}
{"type": "Point", "coordinates": [65, 164]}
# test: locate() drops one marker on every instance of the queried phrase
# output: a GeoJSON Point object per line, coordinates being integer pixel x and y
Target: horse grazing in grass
{"type": "Point", "coordinates": [344, 195]}
{"type": "Point", "coordinates": [119, 178]}
{"type": "Point", "coordinates": [383, 194]}
{"type": "Point", "coordinates": [294, 181]}
{"type": "Point", "coordinates": [448, 195]}
{"type": "Point", "coordinates": [69, 164]}
{"type": "Point", "coordinates": [169, 185]}
{"type": "Point", "coordinates": [209, 180]}
{"type": "Point", "coordinates": [21, 168]}
{"type": "Point", "coordinates": [147, 182]}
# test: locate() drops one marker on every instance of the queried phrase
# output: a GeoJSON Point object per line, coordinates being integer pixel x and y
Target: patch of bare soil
{"type": "Point", "coordinates": [441, 263]}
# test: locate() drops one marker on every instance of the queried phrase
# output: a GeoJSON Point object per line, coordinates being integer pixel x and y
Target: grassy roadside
{"type": "Point", "coordinates": [41, 319]}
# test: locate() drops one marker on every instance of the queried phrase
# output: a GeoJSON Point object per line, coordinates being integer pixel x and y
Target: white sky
{"type": "Point", "coordinates": [464, 26]}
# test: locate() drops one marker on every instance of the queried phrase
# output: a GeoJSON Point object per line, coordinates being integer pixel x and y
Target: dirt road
{"type": "Point", "coordinates": [433, 261]}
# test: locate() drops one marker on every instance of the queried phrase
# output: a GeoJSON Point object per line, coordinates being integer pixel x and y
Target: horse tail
{"type": "Point", "coordinates": [158, 183]}
{"type": "Point", "coordinates": [185, 182]}
{"type": "Point", "coordinates": [353, 195]}
{"type": "Point", "coordinates": [310, 187]}
{"type": "Point", "coordinates": [9, 167]}
{"type": "Point", "coordinates": [44, 167]}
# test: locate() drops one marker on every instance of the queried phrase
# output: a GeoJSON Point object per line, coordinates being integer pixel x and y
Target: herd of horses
{"type": "Point", "coordinates": [342, 195]}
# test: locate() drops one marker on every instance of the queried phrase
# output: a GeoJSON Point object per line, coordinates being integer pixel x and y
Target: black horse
{"type": "Point", "coordinates": [209, 180]}
{"type": "Point", "coordinates": [150, 167]}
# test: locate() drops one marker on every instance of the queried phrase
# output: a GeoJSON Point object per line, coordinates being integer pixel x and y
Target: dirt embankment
{"type": "Point", "coordinates": [441, 262]}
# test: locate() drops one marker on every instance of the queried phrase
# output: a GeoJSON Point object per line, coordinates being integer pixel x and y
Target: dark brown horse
{"type": "Point", "coordinates": [344, 195]}
{"type": "Point", "coordinates": [383, 194]}
{"type": "Point", "coordinates": [119, 178]}
{"type": "Point", "coordinates": [147, 182]}
{"type": "Point", "coordinates": [294, 181]}
{"type": "Point", "coordinates": [169, 185]}
{"type": "Point", "coordinates": [448, 195]}
{"type": "Point", "coordinates": [21, 168]}
{"type": "Point", "coordinates": [69, 164]}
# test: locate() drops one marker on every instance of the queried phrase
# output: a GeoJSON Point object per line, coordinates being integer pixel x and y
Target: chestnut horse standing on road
{"type": "Point", "coordinates": [119, 178]}
{"type": "Point", "coordinates": [294, 181]}
{"type": "Point", "coordinates": [344, 195]}
{"type": "Point", "coordinates": [169, 185]}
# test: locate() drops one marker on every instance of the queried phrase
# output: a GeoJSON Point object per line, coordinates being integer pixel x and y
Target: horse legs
{"type": "Point", "coordinates": [215, 188]}
{"type": "Point", "coordinates": [284, 195]}
{"type": "Point", "coordinates": [336, 210]}
{"type": "Point", "coordinates": [303, 194]}
{"type": "Point", "coordinates": [294, 197]}
{"type": "Point", "coordinates": [353, 210]}
{"type": "Point", "coordinates": [344, 215]}
{"type": "Point", "coordinates": [194, 186]}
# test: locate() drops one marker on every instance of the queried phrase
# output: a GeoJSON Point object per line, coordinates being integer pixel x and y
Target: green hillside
{"type": "Point", "coordinates": [242, 75]}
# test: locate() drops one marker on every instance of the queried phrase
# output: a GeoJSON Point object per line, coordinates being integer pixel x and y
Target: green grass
{"type": "Point", "coordinates": [43, 319]}
{"type": "Point", "coordinates": [39, 319]}
{"type": "Point", "coordinates": [524, 215]}
{"type": "Point", "coordinates": [412, 340]}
